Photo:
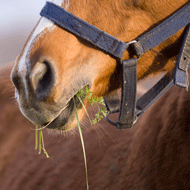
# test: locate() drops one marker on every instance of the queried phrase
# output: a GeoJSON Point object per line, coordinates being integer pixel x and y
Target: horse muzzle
{"type": "Point", "coordinates": [35, 89]}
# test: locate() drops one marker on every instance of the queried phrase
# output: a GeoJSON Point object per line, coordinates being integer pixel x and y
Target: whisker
{"type": "Point", "coordinates": [100, 138]}
{"type": "Point", "coordinates": [107, 134]}
{"type": "Point", "coordinates": [90, 112]}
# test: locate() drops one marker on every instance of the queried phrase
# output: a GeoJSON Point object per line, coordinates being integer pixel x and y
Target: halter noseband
{"type": "Point", "coordinates": [129, 109]}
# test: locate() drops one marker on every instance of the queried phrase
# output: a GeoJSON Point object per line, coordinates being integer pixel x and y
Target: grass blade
{"type": "Point", "coordinates": [40, 141]}
{"type": "Point", "coordinates": [36, 145]}
{"type": "Point", "coordinates": [84, 108]}
{"type": "Point", "coordinates": [43, 147]}
{"type": "Point", "coordinates": [82, 141]}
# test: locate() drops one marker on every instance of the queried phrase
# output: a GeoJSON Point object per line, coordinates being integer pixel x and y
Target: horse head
{"type": "Point", "coordinates": [55, 64]}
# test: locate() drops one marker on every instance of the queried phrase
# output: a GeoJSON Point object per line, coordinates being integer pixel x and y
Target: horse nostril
{"type": "Point", "coordinates": [37, 74]}
{"type": "Point", "coordinates": [15, 80]}
{"type": "Point", "coordinates": [42, 79]}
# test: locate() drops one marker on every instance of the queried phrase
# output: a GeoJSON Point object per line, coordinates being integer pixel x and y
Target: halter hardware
{"type": "Point", "coordinates": [129, 109]}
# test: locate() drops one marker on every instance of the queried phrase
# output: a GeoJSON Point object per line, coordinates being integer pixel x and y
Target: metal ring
{"type": "Point", "coordinates": [131, 42]}
{"type": "Point", "coordinates": [110, 121]}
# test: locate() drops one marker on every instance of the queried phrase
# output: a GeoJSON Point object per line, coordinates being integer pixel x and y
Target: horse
{"type": "Point", "coordinates": [44, 70]}
{"type": "Point", "coordinates": [42, 73]}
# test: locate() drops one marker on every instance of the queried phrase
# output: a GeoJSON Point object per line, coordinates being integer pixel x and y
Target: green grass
{"type": "Point", "coordinates": [93, 100]}
{"type": "Point", "coordinates": [98, 116]}
{"type": "Point", "coordinates": [40, 142]}
{"type": "Point", "coordinates": [102, 112]}
{"type": "Point", "coordinates": [82, 142]}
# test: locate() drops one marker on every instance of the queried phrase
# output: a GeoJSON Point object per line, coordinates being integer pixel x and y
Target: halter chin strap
{"type": "Point", "coordinates": [129, 109]}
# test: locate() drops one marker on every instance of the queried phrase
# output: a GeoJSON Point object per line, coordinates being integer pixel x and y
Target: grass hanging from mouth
{"type": "Point", "coordinates": [82, 141]}
{"type": "Point", "coordinates": [84, 108]}
{"type": "Point", "coordinates": [36, 144]}
{"type": "Point", "coordinates": [102, 112]}
{"type": "Point", "coordinates": [40, 142]}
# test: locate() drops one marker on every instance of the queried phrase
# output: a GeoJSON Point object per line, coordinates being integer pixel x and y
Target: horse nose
{"type": "Point", "coordinates": [41, 79]}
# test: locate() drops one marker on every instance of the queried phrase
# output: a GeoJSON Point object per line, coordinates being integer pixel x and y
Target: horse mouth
{"type": "Point", "coordinates": [64, 120]}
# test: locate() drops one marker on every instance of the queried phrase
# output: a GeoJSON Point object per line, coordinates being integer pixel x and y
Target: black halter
{"type": "Point", "coordinates": [129, 109]}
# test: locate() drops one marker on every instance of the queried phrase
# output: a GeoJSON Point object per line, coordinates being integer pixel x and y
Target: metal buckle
{"type": "Point", "coordinates": [137, 49]}
{"type": "Point", "coordinates": [131, 42]}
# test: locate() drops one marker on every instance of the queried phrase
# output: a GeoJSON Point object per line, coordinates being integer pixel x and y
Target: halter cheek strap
{"type": "Point", "coordinates": [181, 74]}
{"type": "Point", "coordinates": [180, 78]}
{"type": "Point", "coordinates": [128, 108]}
{"type": "Point", "coordinates": [128, 101]}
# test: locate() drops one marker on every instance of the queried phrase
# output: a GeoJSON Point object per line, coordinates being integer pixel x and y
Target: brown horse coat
{"type": "Point", "coordinates": [154, 154]}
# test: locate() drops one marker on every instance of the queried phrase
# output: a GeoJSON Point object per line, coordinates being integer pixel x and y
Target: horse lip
{"type": "Point", "coordinates": [60, 120]}
{"type": "Point", "coordinates": [49, 124]}
{"type": "Point", "coordinates": [56, 122]}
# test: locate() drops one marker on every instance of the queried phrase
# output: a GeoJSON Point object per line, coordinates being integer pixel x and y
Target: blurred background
{"type": "Point", "coordinates": [17, 19]}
